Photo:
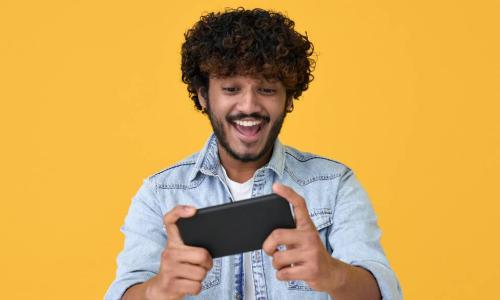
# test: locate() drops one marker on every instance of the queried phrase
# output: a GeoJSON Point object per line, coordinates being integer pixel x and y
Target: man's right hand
{"type": "Point", "coordinates": [182, 267]}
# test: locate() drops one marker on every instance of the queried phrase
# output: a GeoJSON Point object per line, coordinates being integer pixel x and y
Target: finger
{"type": "Point", "coordinates": [295, 272]}
{"type": "Point", "coordinates": [189, 271]}
{"type": "Point", "coordinates": [192, 255]}
{"type": "Point", "coordinates": [302, 218]}
{"type": "Point", "coordinates": [284, 259]}
{"type": "Point", "coordinates": [180, 211]}
{"type": "Point", "coordinates": [186, 286]}
{"type": "Point", "coordinates": [289, 237]}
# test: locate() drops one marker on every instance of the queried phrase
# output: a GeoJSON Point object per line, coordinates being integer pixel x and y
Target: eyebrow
{"type": "Point", "coordinates": [259, 80]}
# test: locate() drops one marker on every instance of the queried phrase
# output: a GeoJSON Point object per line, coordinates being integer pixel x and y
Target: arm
{"type": "Point", "coordinates": [145, 239]}
{"type": "Point", "coordinates": [306, 258]}
{"type": "Point", "coordinates": [138, 291]}
{"type": "Point", "coordinates": [151, 266]}
{"type": "Point", "coordinates": [182, 267]}
{"type": "Point", "coordinates": [353, 283]}
{"type": "Point", "coordinates": [355, 236]}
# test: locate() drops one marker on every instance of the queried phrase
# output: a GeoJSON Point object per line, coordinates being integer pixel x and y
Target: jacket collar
{"type": "Point", "coordinates": [208, 161]}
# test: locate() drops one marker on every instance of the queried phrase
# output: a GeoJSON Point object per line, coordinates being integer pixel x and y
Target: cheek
{"type": "Point", "coordinates": [220, 110]}
{"type": "Point", "coordinates": [217, 111]}
{"type": "Point", "coordinates": [276, 107]}
{"type": "Point", "coordinates": [277, 113]}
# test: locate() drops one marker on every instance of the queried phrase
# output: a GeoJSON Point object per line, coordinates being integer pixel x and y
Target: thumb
{"type": "Point", "coordinates": [302, 218]}
{"type": "Point", "coordinates": [170, 219]}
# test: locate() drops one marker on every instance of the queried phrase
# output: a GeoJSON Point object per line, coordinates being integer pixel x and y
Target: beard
{"type": "Point", "coordinates": [220, 133]}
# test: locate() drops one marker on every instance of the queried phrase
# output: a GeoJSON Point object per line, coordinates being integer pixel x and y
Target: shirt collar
{"type": "Point", "coordinates": [208, 159]}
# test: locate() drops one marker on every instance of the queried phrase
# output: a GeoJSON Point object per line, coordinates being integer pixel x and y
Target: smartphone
{"type": "Point", "coordinates": [236, 227]}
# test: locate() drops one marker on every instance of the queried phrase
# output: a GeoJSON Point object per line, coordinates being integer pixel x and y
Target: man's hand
{"type": "Point", "coordinates": [182, 268]}
{"type": "Point", "coordinates": [305, 257]}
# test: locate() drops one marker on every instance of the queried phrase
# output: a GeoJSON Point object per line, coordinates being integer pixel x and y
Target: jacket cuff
{"type": "Point", "coordinates": [386, 279]}
{"type": "Point", "coordinates": [118, 288]}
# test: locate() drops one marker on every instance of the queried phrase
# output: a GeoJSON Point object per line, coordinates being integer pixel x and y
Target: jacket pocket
{"type": "Point", "coordinates": [322, 218]}
{"type": "Point", "coordinates": [213, 276]}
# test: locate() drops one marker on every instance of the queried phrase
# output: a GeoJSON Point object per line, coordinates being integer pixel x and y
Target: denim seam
{"type": "Point", "coordinates": [180, 186]}
{"type": "Point", "coordinates": [258, 263]}
{"type": "Point", "coordinates": [263, 273]}
{"type": "Point", "coordinates": [303, 182]}
{"type": "Point", "coordinates": [322, 213]}
{"type": "Point", "coordinates": [216, 274]}
{"type": "Point", "coordinates": [304, 158]}
{"type": "Point", "coordinates": [335, 201]}
{"type": "Point", "coordinates": [298, 285]}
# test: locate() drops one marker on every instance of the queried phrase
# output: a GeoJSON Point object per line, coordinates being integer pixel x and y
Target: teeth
{"type": "Point", "coordinates": [248, 123]}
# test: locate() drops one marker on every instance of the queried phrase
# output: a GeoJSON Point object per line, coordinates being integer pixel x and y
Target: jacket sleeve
{"type": "Point", "coordinates": [355, 235]}
{"type": "Point", "coordinates": [145, 240]}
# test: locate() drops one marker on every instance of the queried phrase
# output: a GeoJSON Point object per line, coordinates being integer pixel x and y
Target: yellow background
{"type": "Point", "coordinates": [406, 93]}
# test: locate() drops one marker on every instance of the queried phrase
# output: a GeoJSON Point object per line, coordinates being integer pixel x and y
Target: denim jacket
{"type": "Point", "coordinates": [337, 204]}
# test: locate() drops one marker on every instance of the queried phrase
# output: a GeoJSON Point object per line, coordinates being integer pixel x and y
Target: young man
{"type": "Point", "coordinates": [243, 68]}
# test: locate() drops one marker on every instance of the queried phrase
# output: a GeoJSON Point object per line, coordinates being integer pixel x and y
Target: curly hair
{"type": "Point", "coordinates": [253, 42]}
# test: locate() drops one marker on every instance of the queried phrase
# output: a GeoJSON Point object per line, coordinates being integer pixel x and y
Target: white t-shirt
{"type": "Point", "coordinates": [241, 191]}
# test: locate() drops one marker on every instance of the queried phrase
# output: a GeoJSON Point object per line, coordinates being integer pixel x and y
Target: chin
{"type": "Point", "coordinates": [245, 155]}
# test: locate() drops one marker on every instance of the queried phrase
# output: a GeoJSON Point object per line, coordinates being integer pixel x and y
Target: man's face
{"type": "Point", "coordinates": [246, 114]}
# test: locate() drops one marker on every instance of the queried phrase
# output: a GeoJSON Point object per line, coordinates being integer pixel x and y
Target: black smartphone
{"type": "Point", "coordinates": [236, 227]}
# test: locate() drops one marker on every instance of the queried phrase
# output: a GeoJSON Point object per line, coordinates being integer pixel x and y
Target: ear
{"type": "Point", "coordinates": [289, 105]}
{"type": "Point", "coordinates": [202, 97]}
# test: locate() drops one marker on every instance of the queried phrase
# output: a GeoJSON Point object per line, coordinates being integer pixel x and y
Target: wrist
{"type": "Point", "coordinates": [149, 289]}
{"type": "Point", "coordinates": [153, 291]}
{"type": "Point", "coordinates": [339, 275]}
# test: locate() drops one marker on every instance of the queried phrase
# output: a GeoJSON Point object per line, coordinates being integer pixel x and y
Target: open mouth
{"type": "Point", "coordinates": [248, 129]}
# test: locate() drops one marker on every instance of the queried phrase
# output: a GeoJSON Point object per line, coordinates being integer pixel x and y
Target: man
{"type": "Point", "coordinates": [243, 68]}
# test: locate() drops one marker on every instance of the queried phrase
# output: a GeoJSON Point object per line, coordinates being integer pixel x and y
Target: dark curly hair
{"type": "Point", "coordinates": [253, 42]}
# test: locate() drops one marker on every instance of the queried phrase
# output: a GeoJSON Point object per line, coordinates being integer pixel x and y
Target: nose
{"type": "Point", "coordinates": [249, 102]}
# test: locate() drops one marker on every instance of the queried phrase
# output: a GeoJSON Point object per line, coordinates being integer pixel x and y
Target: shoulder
{"type": "Point", "coordinates": [176, 176]}
{"type": "Point", "coordinates": [306, 167]}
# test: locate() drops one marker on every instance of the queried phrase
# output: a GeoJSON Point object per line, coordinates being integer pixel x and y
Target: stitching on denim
{"type": "Point", "coordinates": [320, 212]}
{"type": "Point", "coordinates": [298, 285]}
{"type": "Point", "coordinates": [323, 214]}
{"type": "Point", "coordinates": [295, 178]}
{"type": "Point", "coordinates": [263, 273]}
{"type": "Point", "coordinates": [303, 182]}
{"type": "Point", "coordinates": [213, 277]}
{"type": "Point", "coordinates": [181, 186]}
{"type": "Point", "coordinates": [337, 191]}
{"type": "Point", "coordinates": [323, 225]}
{"type": "Point", "coordinates": [253, 267]}
{"type": "Point", "coordinates": [304, 158]}
{"type": "Point", "coordinates": [321, 177]}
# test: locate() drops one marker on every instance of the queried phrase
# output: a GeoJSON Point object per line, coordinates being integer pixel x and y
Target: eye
{"type": "Point", "coordinates": [230, 90]}
{"type": "Point", "coordinates": [267, 91]}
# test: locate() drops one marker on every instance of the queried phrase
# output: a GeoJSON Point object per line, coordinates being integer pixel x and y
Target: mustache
{"type": "Point", "coordinates": [241, 116]}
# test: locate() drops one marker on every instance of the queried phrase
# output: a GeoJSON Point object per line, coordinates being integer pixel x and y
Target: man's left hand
{"type": "Point", "coordinates": [305, 257]}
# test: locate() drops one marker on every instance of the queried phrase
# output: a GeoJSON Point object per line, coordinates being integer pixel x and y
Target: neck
{"type": "Point", "coordinates": [238, 170]}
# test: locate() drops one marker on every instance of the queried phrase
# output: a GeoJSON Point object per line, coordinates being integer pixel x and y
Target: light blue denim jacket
{"type": "Point", "coordinates": [337, 204]}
